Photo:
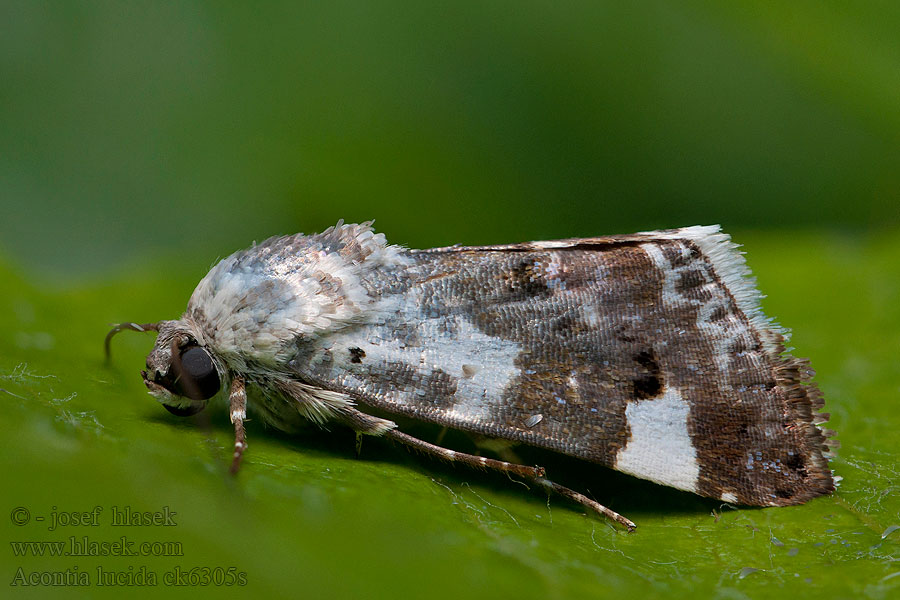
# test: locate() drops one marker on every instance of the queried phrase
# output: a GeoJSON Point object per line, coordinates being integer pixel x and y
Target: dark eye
{"type": "Point", "coordinates": [198, 379]}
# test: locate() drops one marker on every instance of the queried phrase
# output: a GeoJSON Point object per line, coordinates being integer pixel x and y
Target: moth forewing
{"type": "Point", "coordinates": [647, 353]}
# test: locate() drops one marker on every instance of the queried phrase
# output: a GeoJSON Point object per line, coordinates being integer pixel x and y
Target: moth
{"type": "Point", "coordinates": [647, 353]}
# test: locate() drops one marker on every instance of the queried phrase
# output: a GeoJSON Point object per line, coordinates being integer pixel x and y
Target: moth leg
{"type": "Point", "coordinates": [367, 424]}
{"type": "Point", "coordinates": [471, 460]}
{"type": "Point", "coordinates": [363, 424]}
{"type": "Point", "coordinates": [238, 399]}
{"type": "Point", "coordinates": [586, 502]}
{"type": "Point", "coordinates": [535, 474]}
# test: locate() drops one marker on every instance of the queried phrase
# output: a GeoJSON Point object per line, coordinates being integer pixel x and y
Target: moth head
{"type": "Point", "coordinates": [182, 374]}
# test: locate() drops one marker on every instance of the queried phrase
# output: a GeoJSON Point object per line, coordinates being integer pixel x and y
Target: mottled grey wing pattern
{"type": "Point", "coordinates": [645, 353]}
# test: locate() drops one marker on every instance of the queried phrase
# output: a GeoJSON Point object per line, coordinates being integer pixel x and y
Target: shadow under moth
{"type": "Point", "coordinates": [647, 353]}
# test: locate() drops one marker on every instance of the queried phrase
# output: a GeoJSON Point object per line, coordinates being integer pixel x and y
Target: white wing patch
{"type": "Point", "coordinates": [483, 365]}
{"type": "Point", "coordinates": [660, 447]}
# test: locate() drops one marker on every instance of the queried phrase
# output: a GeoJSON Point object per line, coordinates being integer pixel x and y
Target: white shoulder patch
{"type": "Point", "coordinates": [256, 302]}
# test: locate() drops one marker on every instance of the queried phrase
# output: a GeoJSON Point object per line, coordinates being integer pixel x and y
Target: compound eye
{"type": "Point", "coordinates": [199, 379]}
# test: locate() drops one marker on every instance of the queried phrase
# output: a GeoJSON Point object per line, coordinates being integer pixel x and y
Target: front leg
{"type": "Point", "coordinates": [238, 399]}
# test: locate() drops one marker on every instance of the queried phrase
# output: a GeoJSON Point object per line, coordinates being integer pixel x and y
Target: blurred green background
{"type": "Point", "coordinates": [149, 128]}
{"type": "Point", "coordinates": [140, 141]}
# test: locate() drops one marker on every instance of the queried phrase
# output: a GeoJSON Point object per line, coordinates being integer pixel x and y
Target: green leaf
{"type": "Point", "coordinates": [306, 518]}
